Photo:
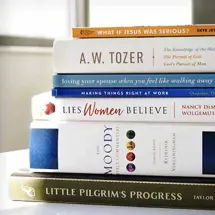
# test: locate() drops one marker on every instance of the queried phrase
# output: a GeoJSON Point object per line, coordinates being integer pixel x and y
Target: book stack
{"type": "Point", "coordinates": [130, 120]}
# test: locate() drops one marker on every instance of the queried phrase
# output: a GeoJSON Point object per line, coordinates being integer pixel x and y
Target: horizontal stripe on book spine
{"type": "Point", "coordinates": [144, 31]}
{"type": "Point", "coordinates": [133, 92]}
{"type": "Point", "coordinates": [134, 80]}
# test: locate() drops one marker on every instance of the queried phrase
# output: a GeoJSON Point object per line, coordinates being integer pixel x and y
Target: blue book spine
{"type": "Point", "coordinates": [134, 80]}
{"type": "Point", "coordinates": [44, 148]}
{"type": "Point", "coordinates": [129, 92]}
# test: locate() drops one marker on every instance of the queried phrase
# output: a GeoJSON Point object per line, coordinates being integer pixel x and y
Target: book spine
{"type": "Point", "coordinates": [142, 55]}
{"type": "Point", "coordinates": [134, 80]}
{"type": "Point", "coordinates": [158, 149]}
{"type": "Point", "coordinates": [109, 192]}
{"type": "Point", "coordinates": [46, 107]}
{"type": "Point", "coordinates": [144, 31]}
{"type": "Point", "coordinates": [133, 93]}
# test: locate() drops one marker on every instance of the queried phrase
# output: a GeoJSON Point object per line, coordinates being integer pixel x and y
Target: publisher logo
{"type": "Point", "coordinates": [130, 156]}
{"type": "Point", "coordinates": [130, 167]}
{"type": "Point", "coordinates": [86, 32]}
{"type": "Point", "coordinates": [48, 109]}
{"type": "Point", "coordinates": [29, 191]}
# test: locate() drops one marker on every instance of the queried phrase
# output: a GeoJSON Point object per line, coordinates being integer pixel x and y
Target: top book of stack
{"type": "Point", "coordinates": [144, 31]}
{"type": "Point", "coordinates": [166, 54]}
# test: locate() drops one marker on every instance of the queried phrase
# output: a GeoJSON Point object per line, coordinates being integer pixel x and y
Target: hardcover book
{"type": "Point", "coordinates": [172, 192]}
{"type": "Point", "coordinates": [159, 149]}
{"type": "Point", "coordinates": [130, 55]}
{"type": "Point", "coordinates": [144, 31]}
{"type": "Point", "coordinates": [47, 107]}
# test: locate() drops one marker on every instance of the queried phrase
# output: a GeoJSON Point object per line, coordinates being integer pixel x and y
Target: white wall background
{"type": "Point", "coordinates": [51, 18]}
{"type": "Point", "coordinates": [24, 72]}
{"type": "Point", "coordinates": [140, 12]}
{"type": "Point", "coordinates": [40, 18]}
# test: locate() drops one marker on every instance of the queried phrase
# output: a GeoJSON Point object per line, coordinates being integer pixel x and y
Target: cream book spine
{"type": "Point", "coordinates": [134, 55]}
{"type": "Point", "coordinates": [46, 107]}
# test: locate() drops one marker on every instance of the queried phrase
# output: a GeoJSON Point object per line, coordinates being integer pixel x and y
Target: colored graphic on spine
{"type": "Point", "coordinates": [130, 134]}
{"type": "Point", "coordinates": [130, 156]}
{"type": "Point", "coordinates": [130, 167]}
{"type": "Point", "coordinates": [130, 145]}
{"type": "Point", "coordinates": [49, 108]}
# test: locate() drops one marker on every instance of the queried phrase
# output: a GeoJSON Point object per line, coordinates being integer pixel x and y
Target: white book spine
{"type": "Point", "coordinates": [114, 55]}
{"type": "Point", "coordinates": [46, 107]}
{"type": "Point", "coordinates": [123, 148]}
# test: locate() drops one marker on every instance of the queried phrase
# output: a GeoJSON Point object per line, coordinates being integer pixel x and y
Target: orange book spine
{"type": "Point", "coordinates": [144, 31]}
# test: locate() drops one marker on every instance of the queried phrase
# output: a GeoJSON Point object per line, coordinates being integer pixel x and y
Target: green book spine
{"type": "Point", "coordinates": [119, 191]}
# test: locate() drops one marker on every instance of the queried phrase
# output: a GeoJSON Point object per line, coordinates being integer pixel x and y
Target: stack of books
{"type": "Point", "coordinates": [130, 120]}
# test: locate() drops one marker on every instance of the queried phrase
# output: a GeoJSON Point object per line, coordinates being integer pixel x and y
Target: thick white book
{"type": "Point", "coordinates": [162, 149]}
{"type": "Point", "coordinates": [130, 55]}
{"type": "Point", "coordinates": [46, 107]}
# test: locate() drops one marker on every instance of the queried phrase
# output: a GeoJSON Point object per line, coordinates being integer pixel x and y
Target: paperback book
{"type": "Point", "coordinates": [158, 149]}
{"type": "Point", "coordinates": [189, 193]}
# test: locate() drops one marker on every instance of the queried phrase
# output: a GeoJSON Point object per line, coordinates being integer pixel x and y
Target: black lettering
{"type": "Point", "coordinates": [125, 57]}
{"type": "Point", "coordinates": [64, 109]}
{"type": "Point", "coordinates": [97, 57]}
{"type": "Point", "coordinates": [79, 110]}
{"type": "Point", "coordinates": [128, 110]}
{"type": "Point", "coordinates": [132, 57]}
{"type": "Point", "coordinates": [118, 57]}
{"type": "Point", "coordinates": [111, 56]}
{"type": "Point", "coordinates": [82, 58]}
{"type": "Point", "coordinates": [140, 57]}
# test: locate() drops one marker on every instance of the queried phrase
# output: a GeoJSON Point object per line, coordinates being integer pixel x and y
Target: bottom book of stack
{"type": "Point", "coordinates": [119, 190]}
